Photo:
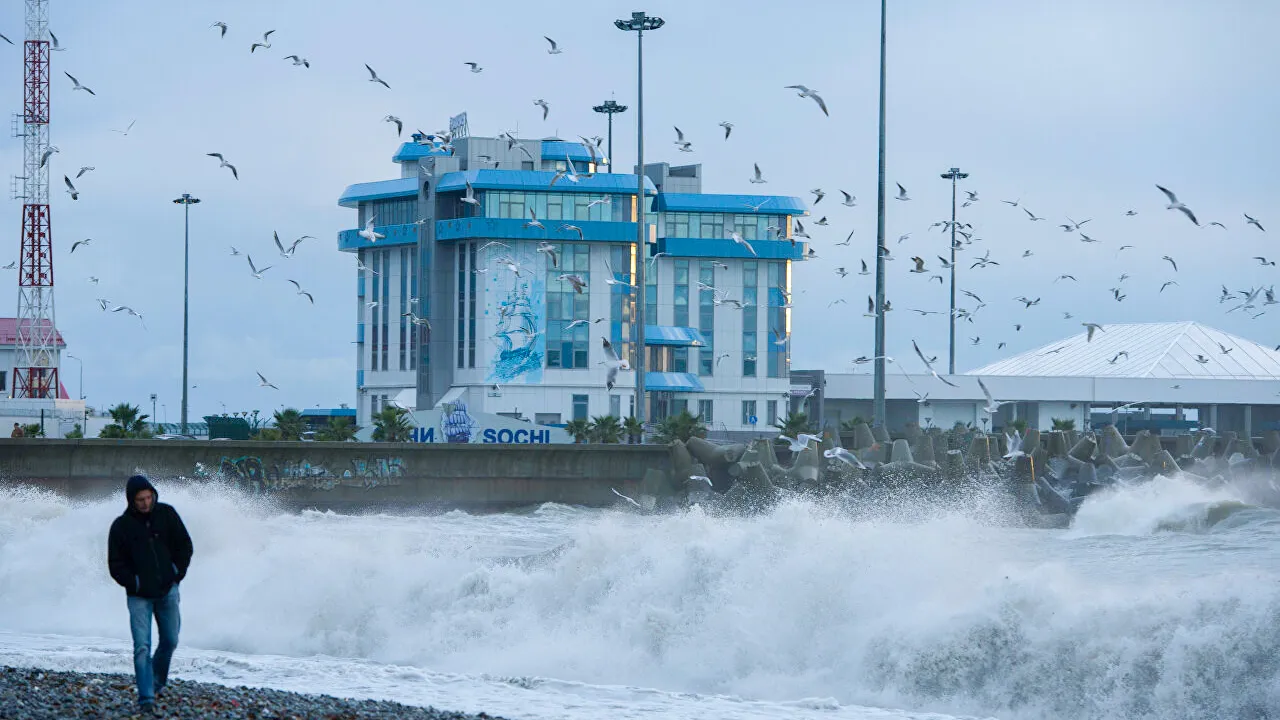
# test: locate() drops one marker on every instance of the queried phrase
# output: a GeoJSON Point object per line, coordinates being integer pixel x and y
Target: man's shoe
{"type": "Point", "coordinates": [146, 709]}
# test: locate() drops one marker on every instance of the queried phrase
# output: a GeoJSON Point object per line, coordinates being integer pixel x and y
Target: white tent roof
{"type": "Point", "coordinates": [1155, 350]}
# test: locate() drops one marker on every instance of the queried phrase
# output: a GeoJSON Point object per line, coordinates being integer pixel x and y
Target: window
{"type": "Point", "coordinates": [526, 165]}
{"type": "Point", "coordinates": [704, 412]}
{"type": "Point", "coordinates": [396, 211]}
{"type": "Point", "coordinates": [680, 360]}
{"type": "Point", "coordinates": [706, 316]}
{"type": "Point", "coordinates": [771, 408]}
{"type": "Point", "coordinates": [680, 293]}
{"type": "Point", "coordinates": [679, 405]}
{"type": "Point", "coordinates": [748, 412]}
{"type": "Point", "coordinates": [461, 261]}
{"type": "Point", "coordinates": [471, 306]}
{"type": "Point", "coordinates": [404, 307]}
{"type": "Point", "coordinates": [750, 302]}
{"type": "Point", "coordinates": [776, 317]}
{"type": "Point", "coordinates": [615, 405]}
{"type": "Point", "coordinates": [546, 418]}
{"type": "Point", "coordinates": [620, 303]}
{"type": "Point", "coordinates": [568, 348]}
{"type": "Point", "coordinates": [3, 386]}
{"type": "Point", "coordinates": [579, 407]}
{"type": "Point", "coordinates": [385, 306]}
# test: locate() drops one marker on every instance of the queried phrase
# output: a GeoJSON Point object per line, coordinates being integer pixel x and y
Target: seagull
{"type": "Point", "coordinates": [1076, 225]}
{"type": "Point", "coordinates": [399, 123]}
{"type": "Point", "coordinates": [85, 169]}
{"type": "Point", "coordinates": [798, 231]}
{"type": "Point", "coordinates": [1175, 205]}
{"type": "Point", "coordinates": [2, 37]}
{"type": "Point", "coordinates": [78, 85]}
{"type": "Point", "coordinates": [1250, 221]}
{"type": "Point", "coordinates": [817, 195]}
{"type": "Point", "coordinates": [701, 478]}
{"type": "Point", "coordinates": [798, 443]}
{"type": "Point", "coordinates": [1167, 284]}
{"type": "Point", "coordinates": [257, 274]}
{"type": "Point", "coordinates": [78, 243]}
{"type": "Point", "coordinates": [550, 251]}
{"type": "Point", "coordinates": [1072, 278]}
{"type": "Point", "coordinates": [368, 233]}
{"type": "Point", "coordinates": [224, 164]}
{"type": "Point", "coordinates": [902, 193]}
{"type": "Point", "coordinates": [929, 364]}
{"type": "Point", "coordinates": [298, 60]}
{"type": "Point", "coordinates": [1116, 357]}
{"type": "Point", "coordinates": [373, 76]}
{"type": "Point", "coordinates": [283, 253]}
{"type": "Point", "coordinates": [1031, 215]}
{"type": "Point", "coordinates": [738, 239]}
{"type": "Point", "coordinates": [757, 177]}
{"type": "Point", "coordinates": [534, 222]}
{"type": "Point", "coordinates": [1012, 202]}
{"type": "Point", "coordinates": [805, 92]}
{"type": "Point", "coordinates": [573, 228]}
{"type": "Point", "coordinates": [44, 157]}
{"type": "Point", "coordinates": [1171, 262]}
{"type": "Point", "coordinates": [55, 45]}
{"type": "Point", "coordinates": [554, 49]}
{"type": "Point", "coordinates": [728, 128]}
{"type": "Point", "coordinates": [1130, 213]}
{"type": "Point", "coordinates": [1263, 260]}
{"type": "Point", "coordinates": [822, 221]}
{"type": "Point", "coordinates": [624, 497]}
{"type": "Point", "coordinates": [864, 270]}
{"type": "Point", "coordinates": [844, 456]}
{"type": "Point", "coordinates": [546, 108]}
{"type": "Point", "coordinates": [973, 196]}
{"type": "Point", "coordinates": [71, 189]}
{"type": "Point", "coordinates": [475, 67]}
{"type": "Point", "coordinates": [1090, 327]}
{"type": "Point", "coordinates": [470, 197]}
{"type": "Point", "coordinates": [1202, 359]}
{"type": "Point", "coordinates": [417, 320]}
{"type": "Point", "coordinates": [992, 404]}
{"type": "Point", "coordinates": [125, 131]}
{"type": "Point", "coordinates": [684, 145]}
{"type": "Point", "coordinates": [262, 382]}
{"type": "Point", "coordinates": [222, 26]}
{"type": "Point", "coordinates": [93, 280]}
{"type": "Point", "coordinates": [265, 44]}
{"type": "Point", "coordinates": [361, 267]}
{"type": "Point", "coordinates": [849, 200]}
{"type": "Point", "coordinates": [919, 268]}
{"type": "Point", "coordinates": [612, 363]}
{"type": "Point", "coordinates": [575, 280]}
{"type": "Point", "coordinates": [1225, 350]}
{"type": "Point", "coordinates": [611, 276]}
{"type": "Point", "coordinates": [303, 292]}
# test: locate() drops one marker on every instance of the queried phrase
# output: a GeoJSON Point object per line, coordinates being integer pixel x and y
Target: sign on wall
{"type": "Point", "coordinates": [453, 423]}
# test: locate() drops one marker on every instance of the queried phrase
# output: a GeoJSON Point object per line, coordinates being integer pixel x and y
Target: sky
{"type": "Point", "coordinates": [1073, 109]}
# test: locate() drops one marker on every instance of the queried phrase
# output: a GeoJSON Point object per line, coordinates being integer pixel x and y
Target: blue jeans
{"type": "Point", "coordinates": [152, 673]}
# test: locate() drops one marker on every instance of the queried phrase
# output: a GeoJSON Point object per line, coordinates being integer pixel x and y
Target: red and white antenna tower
{"type": "Point", "coordinates": [35, 372]}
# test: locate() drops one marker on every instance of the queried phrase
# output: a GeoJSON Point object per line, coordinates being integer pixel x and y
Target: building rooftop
{"type": "Point", "coordinates": [1145, 350]}
{"type": "Point", "coordinates": [539, 180]}
{"type": "Point", "coordinates": [741, 204]}
{"type": "Point", "coordinates": [9, 333]}
{"type": "Point", "coordinates": [378, 190]}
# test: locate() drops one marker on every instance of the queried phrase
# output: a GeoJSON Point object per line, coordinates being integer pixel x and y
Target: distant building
{"type": "Point", "coordinates": [317, 419]}
{"type": "Point", "coordinates": [500, 340]}
{"type": "Point", "coordinates": [60, 416]}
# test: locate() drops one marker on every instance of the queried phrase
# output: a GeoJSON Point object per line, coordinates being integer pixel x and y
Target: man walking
{"type": "Point", "coordinates": [148, 552]}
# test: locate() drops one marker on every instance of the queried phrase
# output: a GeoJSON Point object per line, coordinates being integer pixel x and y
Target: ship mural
{"type": "Point", "coordinates": [456, 423]}
{"type": "Point", "coordinates": [516, 319]}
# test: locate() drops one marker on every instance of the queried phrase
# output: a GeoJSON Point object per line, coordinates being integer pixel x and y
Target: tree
{"type": "Point", "coordinates": [290, 424]}
{"type": "Point", "coordinates": [579, 429]}
{"type": "Point", "coordinates": [634, 430]}
{"type": "Point", "coordinates": [606, 429]}
{"type": "Point", "coordinates": [33, 430]}
{"type": "Point", "coordinates": [851, 424]}
{"type": "Point", "coordinates": [681, 426]}
{"type": "Point", "coordinates": [267, 434]}
{"type": "Point", "coordinates": [392, 424]}
{"type": "Point", "coordinates": [127, 422]}
{"type": "Point", "coordinates": [340, 429]}
{"type": "Point", "coordinates": [1066, 424]}
{"type": "Point", "coordinates": [795, 423]}
{"type": "Point", "coordinates": [1019, 425]}
{"type": "Point", "coordinates": [76, 433]}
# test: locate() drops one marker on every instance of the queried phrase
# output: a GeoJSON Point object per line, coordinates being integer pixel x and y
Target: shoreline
{"type": "Point", "coordinates": [38, 694]}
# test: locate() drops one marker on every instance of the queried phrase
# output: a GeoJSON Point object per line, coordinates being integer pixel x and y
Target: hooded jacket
{"type": "Point", "coordinates": [148, 553]}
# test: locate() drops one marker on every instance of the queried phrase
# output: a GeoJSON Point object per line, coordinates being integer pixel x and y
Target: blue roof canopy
{"type": "Point", "coordinates": [726, 248]}
{"type": "Point", "coordinates": [540, 180]}
{"type": "Point", "coordinates": [741, 204]}
{"type": "Point", "coordinates": [558, 149]}
{"type": "Point", "coordinates": [412, 151]}
{"type": "Point", "coordinates": [672, 382]}
{"type": "Point", "coordinates": [673, 335]}
{"type": "Point", "coordinates": [379, 190]}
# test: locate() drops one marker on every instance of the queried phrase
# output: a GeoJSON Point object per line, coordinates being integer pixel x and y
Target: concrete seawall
{"type": "Point", "coordinates": [346, 475]}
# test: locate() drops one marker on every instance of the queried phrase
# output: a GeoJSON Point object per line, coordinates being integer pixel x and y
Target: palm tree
{"type": "Point", "coordinates": [681, 426]}
{"type": "Point", "coordinates": [851, 424]}
{"type": "Point", "coordinates": [579, 429]}
{"type": "Point", "coordinates": [341, 429]}
{"type": "Point", "coordinates": [127, 423]}
{"type": "Point", "coordinates": [634, 430]}
{"type": "Point", "coordinates": [1064, 424]}
{"type": "Point", "coordinates": [290, 424]}
{"type": "Point", "coordinates": [795, 423]}
{"type": "Point", "coordinates": [392, 425]}
{"type": "Point", "coordinates": [606, 429]}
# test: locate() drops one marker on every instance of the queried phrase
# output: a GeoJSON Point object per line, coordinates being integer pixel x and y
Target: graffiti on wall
{"type": "Point", "coordinates": [252, 474]}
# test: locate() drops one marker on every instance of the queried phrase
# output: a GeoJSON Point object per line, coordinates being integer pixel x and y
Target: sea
{"type": "Point", "coordinates": [1161, 600]}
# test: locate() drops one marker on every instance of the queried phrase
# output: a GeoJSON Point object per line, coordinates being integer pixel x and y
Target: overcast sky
{"type": "Point", "coordinates": [1075, 109]}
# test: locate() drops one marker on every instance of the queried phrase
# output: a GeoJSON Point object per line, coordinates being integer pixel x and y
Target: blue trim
{"type": "Point", "coordinates": [413, 151]}
{"type": "Point", "coordinates": [359, 332]}
{"type": "Point", "coordinates": [407, 234]}
{"type": "Point", "coordinates": [740, 204]}
{"type": "Point", "coordinates": [379, 190]}
{"type": "Point", "coordinates": [673, 335]}
{"type": "Point", "coordinates": [329, 412]}
{"type": "Point", "coordinates": [360, 285]}
{"type": "Point", "coordinates": [540, 180]}
{"type": "Point", "coordinates": [672, 382]}
{"type": "Point", "coordinates": [513, 229]}
{"type": "Point", "coordinates": [557, 149]}
{"type": "Point", "coordinates": [727, 248]}
{"type": "Point", "coordinates": [359, 378]}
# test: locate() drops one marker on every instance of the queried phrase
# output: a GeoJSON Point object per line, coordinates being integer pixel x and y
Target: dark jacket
{"type": "Point", "coordinates": [148, 554]}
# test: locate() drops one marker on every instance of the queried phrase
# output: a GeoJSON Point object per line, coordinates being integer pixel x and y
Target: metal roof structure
{"type": "Point", "coordinates": [540, 181]}
{"type": "Point", "coordinates": [1145, 350]}
{"type": "Point", "coordinates": [738, 204]}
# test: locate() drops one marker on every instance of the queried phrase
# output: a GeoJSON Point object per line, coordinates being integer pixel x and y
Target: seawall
{"type": "Point", "coordinates": [347, 475]}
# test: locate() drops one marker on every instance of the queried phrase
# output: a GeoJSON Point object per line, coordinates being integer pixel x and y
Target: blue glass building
{"type": "Point", "coordinates": [502, 331]}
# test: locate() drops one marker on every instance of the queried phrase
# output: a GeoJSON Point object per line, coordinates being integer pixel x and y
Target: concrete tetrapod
{"type": "Point", "coordinates": [1112, 443]}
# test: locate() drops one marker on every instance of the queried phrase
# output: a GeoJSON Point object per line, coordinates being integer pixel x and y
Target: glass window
{"type": "Point", "coordinates": [555, 206]}
{"type": "Point", "coordinates": [615, 405]}
{"type": "Point", "coordinates": [706, 317]}
{"type": "Point", "coordinates": [680, 360]}
{"type": "Point", "coordinates": [771, 408]}
{"type": "Point", "coordinates": [620, 302]}
{"type": "Point", "coordinates": [579, 407]}
{"type": "Point", "coordinates": [567, 348]}
{"type": "Point", "coordinates": [704, 412]}
{"type": "Point", "coordinates": [681, 302]}
{"type": "Point", "coordinates": [748, 412]}
{"type": "Point", "coordinates": [526, 165]}
{"type": "Point", "coordinates": [679, 405]}
{"type": "Point", "coordinates": [681, 272]}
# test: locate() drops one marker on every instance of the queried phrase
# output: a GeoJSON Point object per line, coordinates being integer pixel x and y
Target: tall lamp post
{"type": "Point", "coordinates": [186, 201]}
{"type": "Point", "coordinates": [610, 108]}
{"type": "Point", "coordinates": [640, 22]}
{"type": "Point", "coordinates": [953, 175]}
{"type": "Point", "coordinates": [85, 426]}
{"type": "Point", "coordinates": [879, 412]}
{"type": "Point", "coordinates": [154, 420]}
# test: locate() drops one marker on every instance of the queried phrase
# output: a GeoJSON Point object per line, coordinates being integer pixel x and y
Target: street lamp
{"type": "Point", "coordinates": [878, 408]}
{"type": "Point", "coordinates": [85, 426]}
{"type": "Point", "coordinates": [953, 175]}
{"type": "Point", "coordinates": [640, 22]}
{"type": "Point", "coordinates": [610, 108]}
{"type": "Point", "coordinates": [186, 201]}
{"type": "Point", "coordinates": [154, 419]}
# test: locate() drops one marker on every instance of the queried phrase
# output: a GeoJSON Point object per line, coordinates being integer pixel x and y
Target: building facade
{"type": "Point", "coordinates": [458, 304]}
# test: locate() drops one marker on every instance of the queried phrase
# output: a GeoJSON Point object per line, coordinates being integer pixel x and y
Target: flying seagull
{"type": "Point", "coordinates": [71, 189]}
{"type": "Point", "coordinates": [550, 251]}
{"type": "Point", "coordinates": [475, 67]}
{"type": "Point", "coordinates": [298, 60]}
{"type": "Point", "coordinates": [262, 382]}
{"type": "Point", "coordinates": [902, 193]}
{"type": "Point", "coordinates": [546, 108]}
{"type": "Point", "coordinates": [125, 131]}
{"type": "Point", "coordinates": [265, 44]}
{"type": "Point", "coordinates": [1175, 205]}
{"type": "Point", "coordinates": [624, 497]}
{"type": "Point", "coordinates": [373, 76]}
{"type": "Point", "coordinates": [470, 196]}
{"type": "Point", "coordinates": [576, 281]}
{"type": "Point", "coordinates": [805, 92]}
{"type": "Point", "coordinates": [738, 239]}
{"type": "Point", "coordinates": [756, 176]}
{"type": "Point", "coordinates": [612, 363]}
{"type": "Point", "coordinates": [929, 365]}
{"type": "Point", "coordinates": [78, 243]}
{"type": "Point", "coordinates": [992, 404]}
{"type": "Point", "coordinates": [222, 26]}
{"type": "Point", "coordinates": [303, 292]}
{"type": "Point", "coordinates": [844, 456]}
{"type": "Point", "coordinates": [1171, 262]}
{"type": "Point", "coordinates": [54, 44]}
{"type": "Point", "coordinates": [85, 169]}
{"type": "Point", "coordinates": [224, 164]}
{"type": "Point", "coordinates": [1091, 327]}
{"type": "Point", "coordinates": [78, 85]}
{"type": "Point", "coordinates": [554, 49]}
{"type": "Point", "coordinates": [817, 197]}
{"type": "Point", "coordinates": [728, 128]}
{"type": "Point", "coordinates": [368, 233]}
{"type": "Point", "coordinates": [1031, 215]}
{"type": "Point", "coordinates": [253, 269]}
{"type": "Point", "coordinates": [49, 151]}
{"type": "Point", "coordinates": [399, 123]}
{"type": "Point", "coordinates": [1250, 221]}
{"type": "Point", "coordinates": [849, 200]}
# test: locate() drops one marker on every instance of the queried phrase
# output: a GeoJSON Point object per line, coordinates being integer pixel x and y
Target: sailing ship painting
{"type": "Point", "coordinates": [515, 322]}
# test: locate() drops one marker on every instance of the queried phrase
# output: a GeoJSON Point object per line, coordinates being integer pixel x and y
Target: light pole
{"type": "Point", "coordinates": [186, 201]}
{"type": "Point", "coordinates": [640, 22]}
{"type": "Point", "coordinates": [610, 108]}
{"type": "Point", "coordinates": [879, 413]}
{"type": "Point", "coordinates": [84, 427]}
{"type": "Point", "coordinates": [953, 175]}
{"type": "Point", "coordinates": [154, 420]}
